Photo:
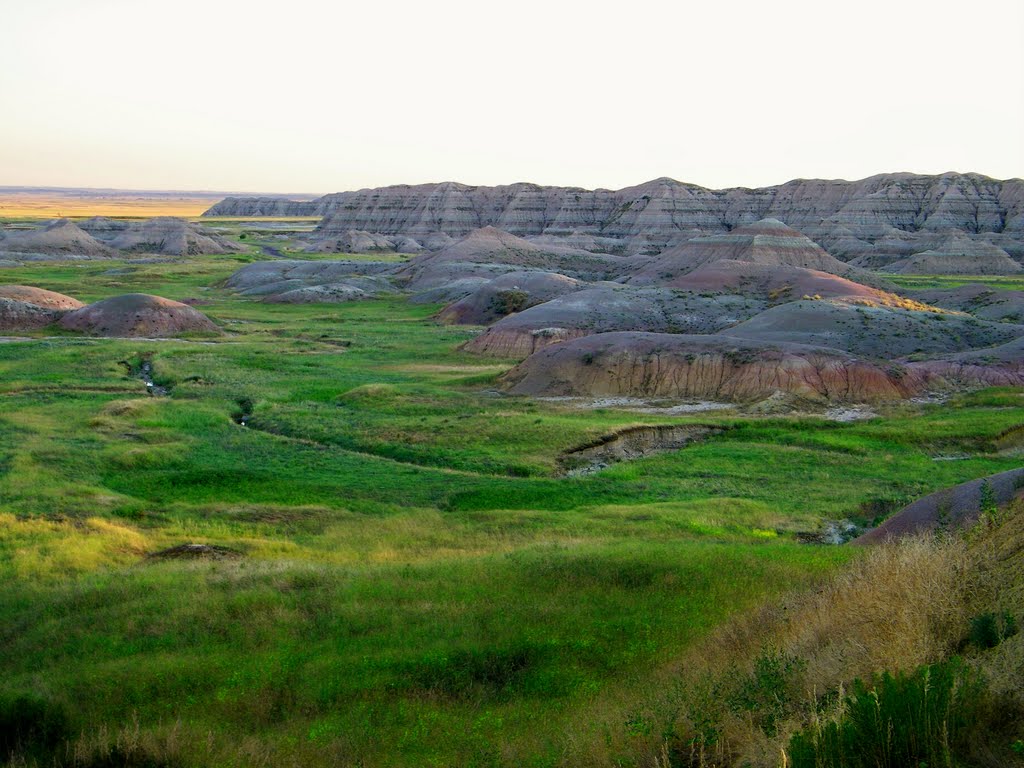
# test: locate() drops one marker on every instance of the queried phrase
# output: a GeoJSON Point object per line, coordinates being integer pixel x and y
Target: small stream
{"type": "Point", "coordinates": [143, 370]}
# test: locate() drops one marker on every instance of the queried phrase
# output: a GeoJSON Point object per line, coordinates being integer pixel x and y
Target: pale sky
{"type": "Point", "coordinates": [318, 96]}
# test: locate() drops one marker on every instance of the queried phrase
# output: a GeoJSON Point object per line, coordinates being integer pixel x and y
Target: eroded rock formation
{"type": "Point", "coordinates": [137, 315]}
{"type": "Point", "coordinates": [877, 220]}
{"type": "Point", "coordinates": [706, 368]}
{"type": "Point", "coordinates": [24, 307]}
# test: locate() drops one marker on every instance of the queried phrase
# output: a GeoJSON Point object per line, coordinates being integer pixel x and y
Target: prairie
{"type": "Point", "coordinates": [411, 583]}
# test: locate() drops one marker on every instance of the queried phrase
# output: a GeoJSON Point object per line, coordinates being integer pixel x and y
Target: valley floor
{"type": "Point", "coordinates": [407, 578]}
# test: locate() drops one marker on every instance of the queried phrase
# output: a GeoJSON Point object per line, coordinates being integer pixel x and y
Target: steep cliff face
{"type": "Point", "coordinates": [705, 367]}
{"type": "Point", "coordinates": [271, 206]}
{"type": "Point", "coordinates": [883, 217]}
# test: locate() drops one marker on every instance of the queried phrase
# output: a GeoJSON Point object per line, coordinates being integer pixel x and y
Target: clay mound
{"type": "Point", "coordinates": [999, 366]}
{"type": "Point", "coordinates": [61, 238]}
{"type": "Point", "coordinates": [451, 281]}
{"type": "Point", "coordinates": [171, 236]}
{"type": "Point", "coordinates": [949, 508]}
{"type": "Point", "coordinates": [349, 289]}
{"type": "Point", "coordinates": [39, 297]}
{"type": "Point", "coordinates": [960, 256]}
{"type": "Point", "coordinates": [494, 246]}
{"type": "Point", "coordinates": [24, 308]}
{"type": "Point", "coordinates": [610, 307]}
{"type": "Point", "coordinates": [768, 242]}
{"type": "Point", "coordinates": [512, 292]}
{"type": "Point", "coordinates": [360, 241]}
{"type": "Point", "coordinates": [137, 315]}
{"type": "Point", "coordinates": [773, 282]}
{"type": "Point", "coordinates": [704, 367]}
{"type": "Point", "coordinates": [873, 331]}
{"type": "Point", "coordinates": [275, 278]}
{"type": "Point", "coordinates": [982, 301]}
{"type": "Point", "coordinates": [102, 227]}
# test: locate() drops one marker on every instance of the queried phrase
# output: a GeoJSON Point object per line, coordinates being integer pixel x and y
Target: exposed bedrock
{"type": "Point", "coordinates": [59, 239]}
{"type": "Point", "coordinates": [773, 283]}
{"type": "Point", "coordinates": [707, 368]}
{"type": "Point", "coordinates": [768, 242]}
{"type": "Point", "coordinates": [982, 301]}
{"type": "Point", "coordinates": [168, 236]}
{"type": "Point", "coordinates": [307, 282]}
{"type": "Point", "coordinates": [611, 308]}
{"type": "Point", "coordinates": [508, 293]}
{"type": "Point", "coordinates": [949, 508]}
{"type": "Point", "coordinates": [872, 330]}
{"type": "Point", "coordinates": [138, 315]}
{"type": "Point", "coordinates": [958, 256]}
{"type": "Point", "coordinates": [24, 307]}
{"type": "Point", "coordinates": [496, 247]}
{"type": "Point", "coordinates": [883, 217]}
{"type": "Point", "coordinates": [1001, 365]}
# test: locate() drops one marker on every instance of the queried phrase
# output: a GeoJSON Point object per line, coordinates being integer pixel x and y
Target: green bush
{"type": "Point", "coordinates": [507, 302]}
{"type": "Point", "coordinates": [989, 629]}
{"type": "Point", "coordinates": [767, 692]}
{"type": "Point", "coordinates": [30, 725]}
{"type": "Point", "coordinates": [928, 717]}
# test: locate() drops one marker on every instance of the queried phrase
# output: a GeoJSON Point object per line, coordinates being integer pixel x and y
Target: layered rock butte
{"type": "Point", "coordinates": [877, 220]}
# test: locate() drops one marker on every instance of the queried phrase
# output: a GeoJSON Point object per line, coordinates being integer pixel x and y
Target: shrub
{"type": "Point", "coordinates": [766, 692]}
{"type": "Point", "coordinates": [507, 302]}
{"type": "Point", "coordinates": [926, 717]}
{"type": "Point", "coordinates": [989, 629]}
{"type": "Point", "coordinates": [31, 724]}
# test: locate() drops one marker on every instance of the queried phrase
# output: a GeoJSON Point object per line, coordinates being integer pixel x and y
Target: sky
{"type": "Point", "coordinates": [317, 96]}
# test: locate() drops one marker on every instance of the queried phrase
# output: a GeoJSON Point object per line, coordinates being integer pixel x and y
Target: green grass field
{"type": "Point", "coordinates": [415, 584]}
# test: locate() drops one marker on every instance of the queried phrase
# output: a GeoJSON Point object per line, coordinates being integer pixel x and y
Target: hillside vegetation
{"type": "Point", "coordinates": [398, 575]}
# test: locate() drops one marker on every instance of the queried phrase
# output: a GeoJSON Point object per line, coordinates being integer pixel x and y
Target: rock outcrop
{"type": "Point", "coordinates": [170, 236]}
{"type": "Point", "coordinates": [775, 284]}
{"type": "Point", "coordinates": [705, 368]}
{"type": "Point", "coordinates": [24, 308]}
{"type": "Point", "coordinates": [509, 293]}
{"type": "Point", "coordinates": [998, 366]}
{"type": "Point", "coordinates": [308, 282]}
{"type": "Point", "coordinates": [138, 315]}
{"type": "Point", "coordinates": [881, 218]}
{"type": "Point", "coordinates": [768, 242]}
{"type": "Point", "coordinates": [608, 308]}
{"type": "Point", "coordinates": [271, 207]}
{"type": "Point", "coordinates": [960, 256]}
{"type": "Point", "coordinates": [879, 332]}
{"type": "Point", "coordinates": [60, 239]}
{"type": "Point", "coordinates": [950, 508]}
{"type": "Point", "coordinates": [490, 246]}
{"type": "Point", "coordinates": [980, 300]}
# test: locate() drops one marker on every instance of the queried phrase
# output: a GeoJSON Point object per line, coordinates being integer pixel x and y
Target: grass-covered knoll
{"type": "Point", "coordinates": [416, 585]}
{"type": "Point", "coordinates": [928, 282]}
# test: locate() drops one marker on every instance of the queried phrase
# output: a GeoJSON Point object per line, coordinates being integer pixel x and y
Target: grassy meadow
{"type": "Point", "coordinates": [410, 581]}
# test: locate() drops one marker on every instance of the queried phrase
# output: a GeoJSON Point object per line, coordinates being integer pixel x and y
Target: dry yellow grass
{"type": "Point", "coordinates": [899, 606]}
{"type": "Point", "coordinates": [26, 206]}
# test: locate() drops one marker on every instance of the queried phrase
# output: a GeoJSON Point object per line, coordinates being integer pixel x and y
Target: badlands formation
{"type": "Point", "coordinates": [24, 308]}
{"type": "Point", "coordinates": [660, 290]}
{"type": "Point", "coordinates": [873, 222]}
{"type": "Point", "coordinates": [742, 316]}
{"type": "Point", "coordinates": [103, 238]}
{"type": "Point", "coordinates": [137, 315]}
